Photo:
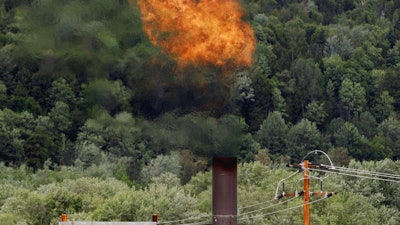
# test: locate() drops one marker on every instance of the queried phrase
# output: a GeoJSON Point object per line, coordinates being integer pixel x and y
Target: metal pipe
{"type": "Point", "coordinates": [224, 190]}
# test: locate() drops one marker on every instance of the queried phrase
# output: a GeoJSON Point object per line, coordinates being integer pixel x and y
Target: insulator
{"type": "Point", "coordinates": [279, 197]}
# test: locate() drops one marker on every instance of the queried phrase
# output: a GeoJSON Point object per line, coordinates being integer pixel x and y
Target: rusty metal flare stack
{"type": "Point", "coordinates": [224, 190]}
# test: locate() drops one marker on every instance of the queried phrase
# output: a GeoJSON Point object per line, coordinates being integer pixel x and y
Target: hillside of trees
{"type": "Point", "coordinates": [86, 99]}
{"type": "Point", "coordinates": [95, 194]}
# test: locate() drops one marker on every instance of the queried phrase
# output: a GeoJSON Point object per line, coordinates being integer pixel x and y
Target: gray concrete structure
{"type": "Point", "coordinates": [105, 223]}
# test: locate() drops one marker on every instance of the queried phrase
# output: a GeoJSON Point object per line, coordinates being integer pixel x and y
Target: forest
{"type": "Point", "coordinates": [98, 121]}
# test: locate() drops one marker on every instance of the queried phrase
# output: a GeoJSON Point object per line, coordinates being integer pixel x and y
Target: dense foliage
{"type": "Point", "coordinates": [94, 194]}
{"type": "Point", "coordinates": [83, 94]}
{"type": "Point", "coordinates": [80, 79]}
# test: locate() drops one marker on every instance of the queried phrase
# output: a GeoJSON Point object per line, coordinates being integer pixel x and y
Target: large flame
{"type": "Point", "coordinates": [199, 32]}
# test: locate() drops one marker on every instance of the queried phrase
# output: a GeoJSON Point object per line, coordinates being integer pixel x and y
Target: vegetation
{"type": "Point", "coordinates": [95, 194]}
{"type": "Point", "coordinates": [93, 116]}
{"type": "Point", "coordinates": [81, 79]}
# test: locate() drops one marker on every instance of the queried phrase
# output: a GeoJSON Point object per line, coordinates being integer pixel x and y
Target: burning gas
{"type": "Point", "coordinates": [199, 32]}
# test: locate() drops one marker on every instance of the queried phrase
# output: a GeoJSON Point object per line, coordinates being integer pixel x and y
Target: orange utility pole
{"type": "Point", "coordinates": [306, 207]}
{"type": "Point", "coordinates": [305, 166]}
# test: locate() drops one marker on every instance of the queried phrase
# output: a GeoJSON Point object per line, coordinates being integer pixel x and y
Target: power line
{"type": "Point", "coordinates": [306, 193]}
{"type": "Point", "coordinates": [256, 204]}
{"type": "Point", "coordinates": [199, 223]}
{"type": "Point", "coordinates": [319, 151]}
{"type": "Point", "coordinates": [267, 207]}
{"type": "Point", "coordinates": [313, 167]}
{"type": "Point", "coordinates": [182, 220]}
{"type": "Point", "coordinates": [283, 181]}
{"type": "Point", "coordinates": [355, 175]}
{"type": "Point", "coordinates": [200, 217]}
{"type": "Point", "coordinates": [373, 173]}
{"type": "Point", "coordinates": [282, 210]}
{"type": "Point", "coordinates": [245, 207]}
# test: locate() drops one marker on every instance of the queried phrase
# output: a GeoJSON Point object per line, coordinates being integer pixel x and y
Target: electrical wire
{"type": "Point", "coordinates": [260, 203]}
{"type": "Point", "coordinates": [325, 154]}
{"type": "Point", "coordinates": [381, 174]}
{"type": "Point", "coordinates": [256, 204]}
{"type": "Point", "coordinates": [283, 180]}
{"type": "Point", "coordinates": [331, 166]}
{"type": "Point", "coordinates": [315, 152]}
{"type": "Point", "coordinates": [282, 210]}
{"type": "Point", "coordinates": [366, 172]}
{"type": "Point", "coordinates": [199, 223]}
{"type": "Point", "coordinates": [182, 220]}
{"type": "Point", "coordinates": [200, 217]}
{"type": "Point", "coordinates": [267, 207]}
{"type": "Point", "coordinates": [355, 175]}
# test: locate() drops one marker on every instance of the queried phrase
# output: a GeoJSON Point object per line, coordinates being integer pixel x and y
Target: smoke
{"type": "Point", "coordinates": [203, 135]}
{"type": "Point", "coordinates": [199, 32]}
{"type": "Point", "coordinates": [208, 40]}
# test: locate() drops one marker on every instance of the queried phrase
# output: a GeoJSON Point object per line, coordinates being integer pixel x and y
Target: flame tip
{"type": "Point", "coordinates": [201, 35]}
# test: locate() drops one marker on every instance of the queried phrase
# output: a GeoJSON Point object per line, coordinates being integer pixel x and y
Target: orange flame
{"type": "Point", "coordinates": [199, 32]}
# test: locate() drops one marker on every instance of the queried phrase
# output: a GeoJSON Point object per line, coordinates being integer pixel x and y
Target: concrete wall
{"type": "Point", "coordinates": [105, 223]}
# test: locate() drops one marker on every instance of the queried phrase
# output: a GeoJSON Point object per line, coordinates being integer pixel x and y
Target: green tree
{"type": "Point", "coordinates": [15, 128]}
{"type": "Point", "coordinates": [302, 138]}
{"type": "Point", "coordinates": [379, 192]}
{"type": "Point", "coordinates": [277, 37]}
{"type": "Point", "coordinates": [245, 93]}
{"type": "Point", "coordinates": [366, 124]}
{"type": "Point", "coordinates": [390, 130]}
{"type": "Point", "coordinates": [248, 149]}
{"type": "Point", "coordinates": [254, 112]}
{"type": "Point", "coordinates": [273, 132]}
{"type": "Point", "coordinates": [60, 115]}
{"type": "Point", "coordinates": [119, 136]}
{"type": "Point", "coordinates": [162, 135]}
{"type": "Point", "coordinates": [65, 110]}
{"type": "Point", "coordinates": [368, 11]}
{"type": "Point", "coordinates": [316, 112]}
{"type": "Point", "coordinates": [208, 136]}
{"type": "Point", "coordinates": [278, 101]}
{"type": "Point", "coordinates": [262, 87]}
{"type": "Point", "coordinates": [334, 73]}
{"type": "Point", "coordinates": [339, 156]}
{"type": "Point", "coordinates": [36, 148]}
{"type": "Point", "coordinates": [340, 46]}
{"type": "Point", "coordinates": [24, 103]}
{"type": "Point", "coordinates": [112, 96]}
{"type": "Point", "coordinates": [61, 91]}
{"type": "Point", "coordinates": [348, 136]}
{"type": "Point", "coordinates": [263, 157]}
{"type": "Point", "coordinates": [306, 88]}
{"type": "Point", "coordinates": [377, 150]}
{"type": "Point", "coordinates": [383, 106]}
{"type": "Point", "coordinates": [296, 39]}
{"type": "Point", "coordinates": [162, 164]}
{"type": "Point", "coordinates": [352, 95]}
{"type": "Point", "coordinates": [348, 210]}
{"type": "Point", "coordinates": [390, 83]}
{"type": "Point", "coordinates": [86, 38]}
{"type": "Point", "coordinates": [316, 36]}
{"type": "Point", "coordinates": [191, 165]}
{"type": "Point", "coordinates": [199, 183]}
{"type": "Point", "coordinates": [163, 195]}
{"type": "Point", "coordinates": [331, 8]}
